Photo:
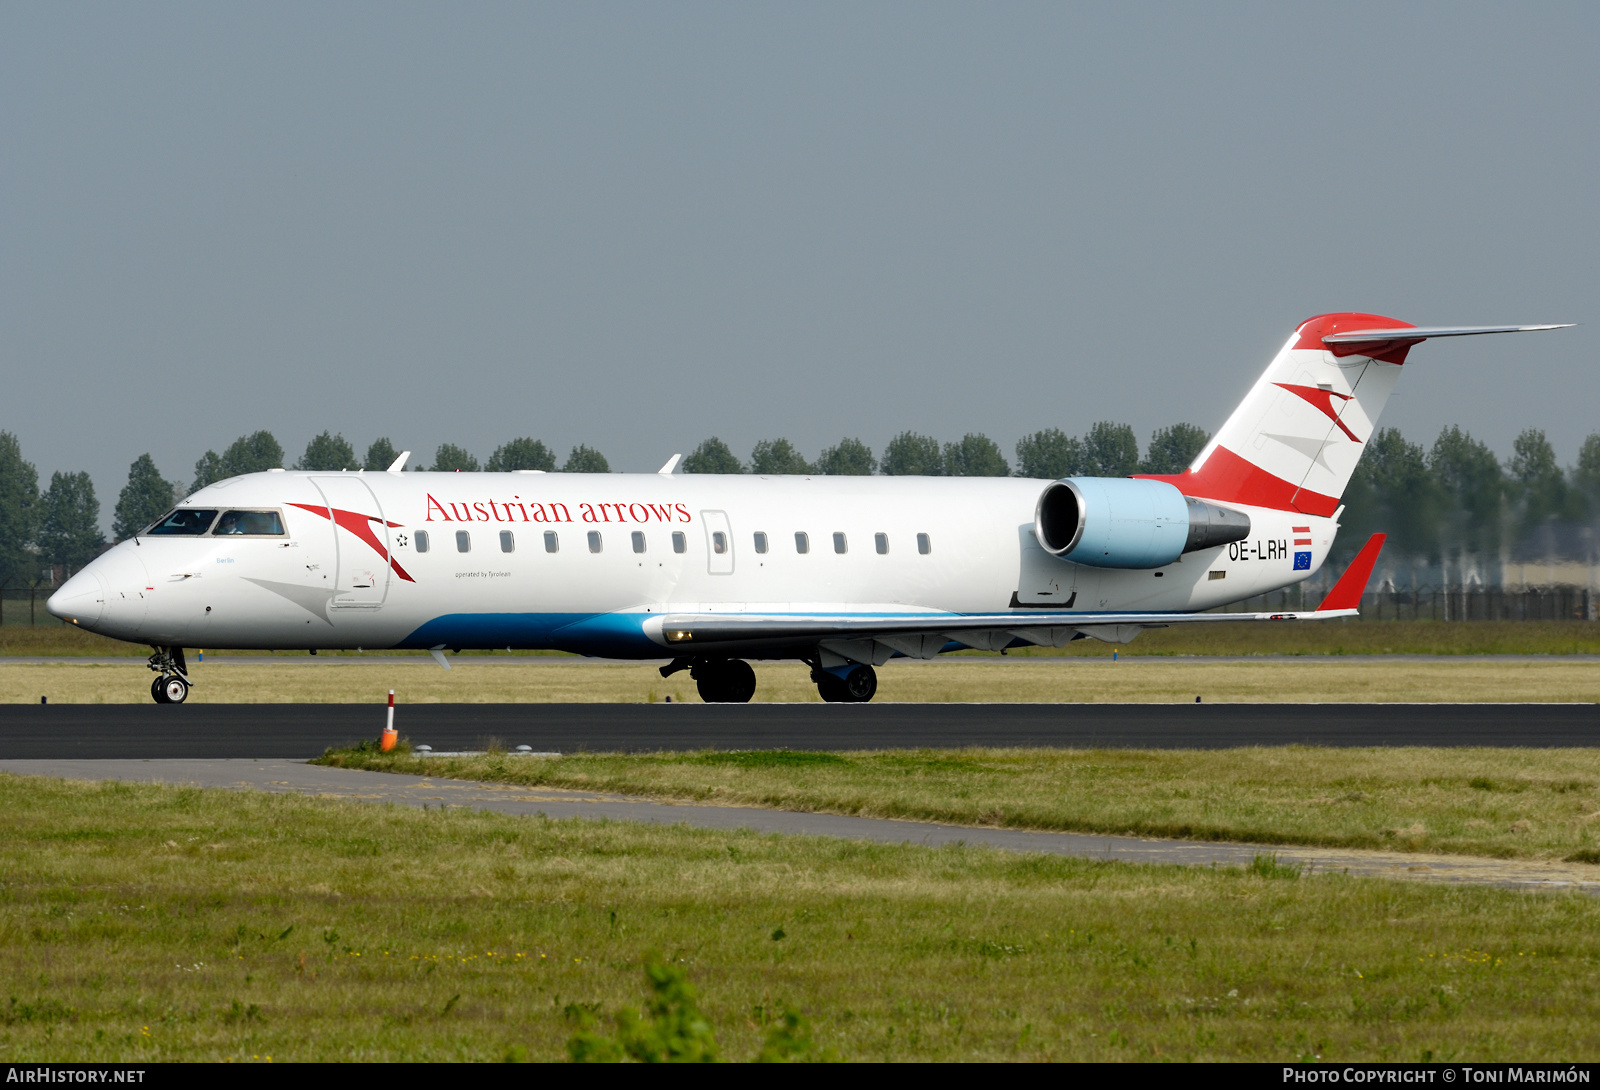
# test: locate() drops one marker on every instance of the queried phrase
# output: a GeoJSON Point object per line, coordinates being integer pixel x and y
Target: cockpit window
{"type": "Point", "coordinates": [184, 522]}
{"type": "Point", "coordinates": [254, 523]}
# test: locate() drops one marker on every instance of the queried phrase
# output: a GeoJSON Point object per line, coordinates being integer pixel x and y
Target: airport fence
{"type": "Point", "coordinates": [1438, 603]}
{"type": "Point", "coordinates": [24, 605]}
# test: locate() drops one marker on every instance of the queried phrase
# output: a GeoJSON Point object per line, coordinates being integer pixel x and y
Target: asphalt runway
{"type": "Point", "coordinates": [150, 731]}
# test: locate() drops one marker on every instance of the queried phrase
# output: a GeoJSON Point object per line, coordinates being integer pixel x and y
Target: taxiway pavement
{"type": "Point", "coordinates": [139, 731]}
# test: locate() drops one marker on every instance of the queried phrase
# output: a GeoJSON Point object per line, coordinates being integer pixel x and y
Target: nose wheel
{"type": "Point", "coordinates": [171, 685]}
{"type": "Point", "coordinates": [170, 689]}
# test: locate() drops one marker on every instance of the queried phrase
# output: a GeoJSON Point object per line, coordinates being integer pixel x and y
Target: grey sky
{"type": "Point", "coordinates": [634, 226]}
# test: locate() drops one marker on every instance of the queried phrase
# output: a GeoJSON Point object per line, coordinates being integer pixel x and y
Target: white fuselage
{"type": "Point", "coordinates": [327, 583]}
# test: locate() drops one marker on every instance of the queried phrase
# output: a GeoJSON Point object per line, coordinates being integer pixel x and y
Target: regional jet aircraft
{"type": "Point", "coordinates": [842, 573]}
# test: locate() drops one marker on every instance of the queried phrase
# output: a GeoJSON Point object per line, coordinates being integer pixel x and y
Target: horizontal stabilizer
{"type": "Point", "coordinates": [1422, 333]}
{"type": "Point", "coordinates": [1347, 592]}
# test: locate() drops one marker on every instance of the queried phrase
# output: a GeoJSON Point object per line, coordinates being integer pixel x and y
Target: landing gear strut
{"type": "Point", "coordinates": [171, 685]}
{"type": "Point", "coordinates": [858, 685]}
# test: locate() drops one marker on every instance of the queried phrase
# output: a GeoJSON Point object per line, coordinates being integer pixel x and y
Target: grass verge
{"type": "Point", "coordinates": [1503, 803]}
{"type": "Point", "coordinates": [958, 680]}
{"type": "Point", "coordinates": [146, 923]}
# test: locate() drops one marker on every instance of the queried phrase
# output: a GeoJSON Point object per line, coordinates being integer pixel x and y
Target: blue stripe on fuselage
{"type": "Point", "coordinates": [618, 635]}
{"type": "Point", "coordinates": [611, 635]}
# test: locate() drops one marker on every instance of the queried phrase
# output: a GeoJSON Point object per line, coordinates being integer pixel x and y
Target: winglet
{"type": "Point", "coordinates": [400, 462]}
{"type": "Point", "coordinates": [1346, 593]}
{"type": "Point", "coordinates": [672, 463]}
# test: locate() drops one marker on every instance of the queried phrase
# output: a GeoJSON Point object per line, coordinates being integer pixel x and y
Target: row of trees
{"type": "Point", "coordinates": [330, 452]}
{"type": "Point", "coordinates": [1456, 499]}
{"type": "Point", "coordinates": [1108, 450]}
{"type": "Point", "coordinates": [1453, 499]}
{"type": "Point", "coordinates": [60, 525]}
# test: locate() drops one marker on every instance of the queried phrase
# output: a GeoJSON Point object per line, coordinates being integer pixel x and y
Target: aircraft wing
{"type": "Point", "coordinates": [878, 635]}
{"type": "Point", "coordinates": [876, 638]}
{"type": "Point", "coordinates": [698, 629]}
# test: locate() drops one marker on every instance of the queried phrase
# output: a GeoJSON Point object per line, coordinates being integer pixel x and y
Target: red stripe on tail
{"type": "Point", "coordinates": [1228, 478]}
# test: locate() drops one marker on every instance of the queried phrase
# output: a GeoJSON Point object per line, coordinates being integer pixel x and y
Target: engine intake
{"type": "Point", "coordinates": [1119, 522]}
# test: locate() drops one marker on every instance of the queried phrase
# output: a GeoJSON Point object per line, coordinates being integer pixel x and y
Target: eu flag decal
{"type": "Point", "coordinates": [1302, 561]}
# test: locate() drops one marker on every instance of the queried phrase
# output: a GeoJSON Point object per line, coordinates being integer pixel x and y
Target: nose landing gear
{"type": "Point", "coordinates": [171, 685]}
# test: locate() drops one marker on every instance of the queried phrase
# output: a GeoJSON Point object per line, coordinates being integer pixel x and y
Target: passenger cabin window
{"type": "Point", "coordinates": [638, 541]}
{"type": "Point", "coordinates": [719, 542]}
{"type": "Point", "coordinates": [190, 522]}
{"type": "Point", "coordinates": [250, 524]}
{"type": "Point", "coordinates": [420, 539]}
{"type": "Point", "coordinates": [463, 541]}
{"type": "Point", "coordinates": [882, 543]}
{"type": "Point", "coordinates": [802, 543]}
{"type": "Point", "coordinates": [508, 543]}
{"type": "Point", "coordinates": [761, 542]}
{"type": "Point", "coordinates": [839, 544]}
{"type": "Point", "coordinates": [595, 543]}
{"type": "Point", "coordinates": [551, 542]}
{"type": "Point", "coordinates": [679, 542]}
{"type": "Point", "coordinates": [924, 545]}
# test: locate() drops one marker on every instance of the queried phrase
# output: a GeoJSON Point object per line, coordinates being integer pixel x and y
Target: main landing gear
{"type": "Point", "coordinates": [171, 685]}
{"type": "Point", "coordinates": [731, 681]}
{"type": "Point", "coordinates": [720, 681]}
{"type": "Point", "coordinates": [857, 685]}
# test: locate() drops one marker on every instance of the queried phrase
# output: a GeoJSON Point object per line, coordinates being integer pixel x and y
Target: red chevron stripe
{"type": "Point", "coordinates": [1322, 399]}
{"type": "Point", "coordinates": [361, 526]}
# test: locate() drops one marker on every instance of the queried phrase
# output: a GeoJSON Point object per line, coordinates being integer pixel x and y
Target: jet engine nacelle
{"type": "Point", "coordinates": [1120, 522]}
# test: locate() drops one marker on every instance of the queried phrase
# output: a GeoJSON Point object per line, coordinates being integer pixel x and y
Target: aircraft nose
{"type": "Point", "coordinates": [81, 599]}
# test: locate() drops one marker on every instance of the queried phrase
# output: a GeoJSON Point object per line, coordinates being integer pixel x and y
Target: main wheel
{"type": "Point", "coordinates": [175, 689]}
{"type": "Point", "coordinates": [862, 684]}
{"type": "Point", "coordinates": [856, 687]}
{"type": "Point", "coordinates": [728, 681]}
{"type": "Point", "coordinates": [831, 688]}
{"type": "Point", "coordinates": [158, 690]}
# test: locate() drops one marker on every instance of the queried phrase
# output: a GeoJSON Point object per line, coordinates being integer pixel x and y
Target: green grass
{"type": "Point", "coordinates": [1504, 803]}
{"type": "Point", "coordinates": [503, 680]}
{"type": "Point", "coordinates": [144, 923]}
{"type": "Point", "coordinates": [1320, 638]}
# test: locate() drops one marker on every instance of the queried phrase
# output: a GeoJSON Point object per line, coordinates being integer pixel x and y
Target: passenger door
{"type": "Point", "coordinates": [361, 541]}
{"type": "Point", "coordinates": [719, 542]}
